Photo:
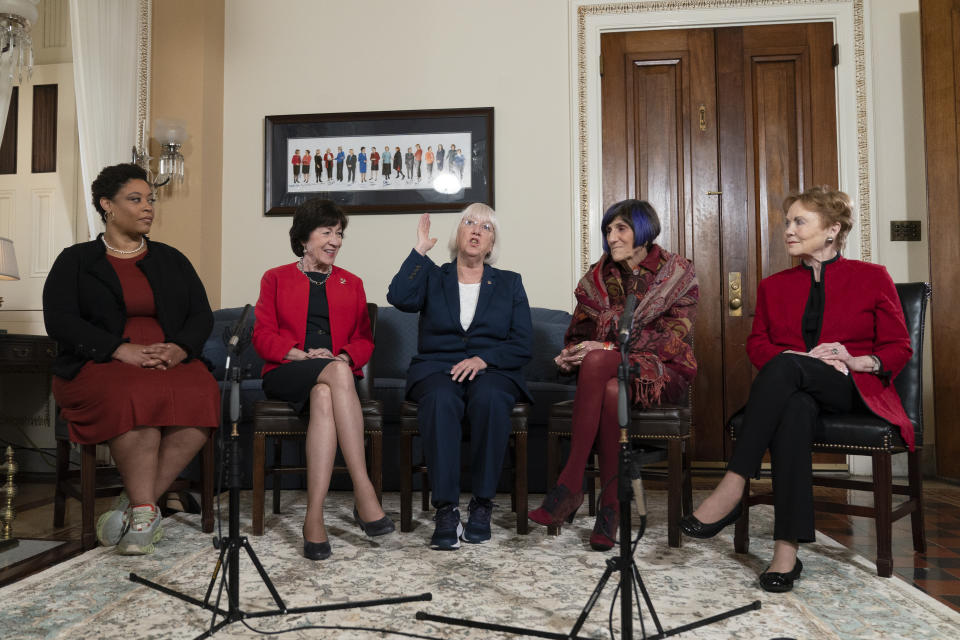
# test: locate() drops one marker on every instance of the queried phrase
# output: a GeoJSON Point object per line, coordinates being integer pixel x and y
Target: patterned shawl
{"type": "Point", "coordinates": [675, 278]}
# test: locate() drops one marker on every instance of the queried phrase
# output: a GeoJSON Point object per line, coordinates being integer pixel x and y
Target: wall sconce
{"type": "Point", "coordinates": [170, 134]}
{"type": "Point", "coordinates": [8, 262]}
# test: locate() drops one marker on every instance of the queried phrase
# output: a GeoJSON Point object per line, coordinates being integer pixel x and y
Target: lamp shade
{"type": "Point", "coordinates": [8, 260]}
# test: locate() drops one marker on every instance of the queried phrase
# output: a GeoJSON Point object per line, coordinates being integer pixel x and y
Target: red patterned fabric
{"type": "Point", "coordinates": [667, 292]}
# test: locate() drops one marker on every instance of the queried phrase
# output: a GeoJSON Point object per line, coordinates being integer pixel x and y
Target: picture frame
{"type": "Point", "coordinates": [457, 142]}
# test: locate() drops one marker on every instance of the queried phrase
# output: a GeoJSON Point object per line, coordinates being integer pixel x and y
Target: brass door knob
{"type": "Point", "coordinates": [736, 303]}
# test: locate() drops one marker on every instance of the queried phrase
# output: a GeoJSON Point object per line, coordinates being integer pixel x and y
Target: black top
{"type": "Point", "coordinates": [84, 311]}
{"type": "Point", "coordinates": [318, 314]}
{"type": "Point", "coordinates": [813, 314]}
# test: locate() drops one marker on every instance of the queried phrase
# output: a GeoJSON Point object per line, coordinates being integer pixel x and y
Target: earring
{"type": "Point", "coordinates": [829, 239]}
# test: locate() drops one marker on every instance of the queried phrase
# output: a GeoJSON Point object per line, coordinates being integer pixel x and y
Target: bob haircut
{"type": "Point", "coordinates": [111, 180]}
{"type": "Point", "coordinates": [640, 215]}
{"type": "Point", "coordinates": [834, 207]}
{"type": "Point", "coordinates": [312, 214]}
{"type": "Point", "coordinates": [481, 213]}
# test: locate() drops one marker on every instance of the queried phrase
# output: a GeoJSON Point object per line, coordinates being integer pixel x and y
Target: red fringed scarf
{"type": "Point", "coordinates": [674, 280]}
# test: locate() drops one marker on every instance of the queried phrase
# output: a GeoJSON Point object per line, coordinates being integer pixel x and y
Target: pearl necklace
{"type": "Point", "coordinates": [121, 251]}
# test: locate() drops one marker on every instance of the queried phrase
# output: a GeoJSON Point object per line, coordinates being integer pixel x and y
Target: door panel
{"type": "Point", "coordinates": [715, 127]}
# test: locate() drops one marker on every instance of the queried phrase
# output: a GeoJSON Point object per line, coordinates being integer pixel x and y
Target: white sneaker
{"type": "Point", "coordinates": [142, 532]}
{"type": "Point", "coordinates": [110, 525]}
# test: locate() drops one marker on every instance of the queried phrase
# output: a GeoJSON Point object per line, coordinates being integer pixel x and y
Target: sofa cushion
{"type": "Point", "coordinates": [215, 348]}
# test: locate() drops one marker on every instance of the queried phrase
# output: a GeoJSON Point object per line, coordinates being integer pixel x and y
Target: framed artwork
{"type": "Point", "coordinates": [380, 161]}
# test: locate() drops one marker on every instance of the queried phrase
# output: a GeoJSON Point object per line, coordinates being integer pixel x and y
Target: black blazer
{"type": "Point", "coordinates": [84, 311]}
{"type": "Point", "coordinates": [501, 333]}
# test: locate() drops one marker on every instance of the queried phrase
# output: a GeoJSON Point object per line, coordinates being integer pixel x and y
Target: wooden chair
{"type": "Point", "coordinates": [667, 428]}
{"type": "Point", "coordinates": [409, 429]}
{"type": "Point", "coordinates": [278, 421]}
{"type": "Point", "coordinates": [96, 482]}
{"type": "Point", "coordinates": [870, 436]}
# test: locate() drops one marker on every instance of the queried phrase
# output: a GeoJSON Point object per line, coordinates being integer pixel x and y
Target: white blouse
{"type": "Point", "coordinates": [469, 294]}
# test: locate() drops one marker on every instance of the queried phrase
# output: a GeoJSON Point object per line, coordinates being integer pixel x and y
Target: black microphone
{"type": "Point", "coordinates": [626, 320]}
{"type": "Point", "coordinates": [238, 330]}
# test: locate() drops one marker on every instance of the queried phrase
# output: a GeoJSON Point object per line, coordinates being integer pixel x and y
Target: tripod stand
{"type": "Point", "coordinates": [630, 584]}
{"type": "Point", "coordinates": [228, 562]}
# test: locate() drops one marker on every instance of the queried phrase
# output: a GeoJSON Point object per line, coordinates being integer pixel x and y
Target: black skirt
{"type": "Point", "coordinates": [293, 381]}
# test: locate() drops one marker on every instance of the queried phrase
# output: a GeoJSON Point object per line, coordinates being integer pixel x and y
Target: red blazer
{"type": "Point", "coordinates": [861, 311]}
{"type": "Point", "coordinates": [282, 315]}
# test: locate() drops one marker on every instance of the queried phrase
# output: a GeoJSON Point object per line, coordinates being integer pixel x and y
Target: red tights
{"type": "Point", "coordinates": [595, 420]}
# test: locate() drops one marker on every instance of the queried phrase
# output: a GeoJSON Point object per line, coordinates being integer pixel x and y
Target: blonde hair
{"type": "Point", "coordinates": [834, 207]}
{"type": "Point", "coordinates": [481, 213]}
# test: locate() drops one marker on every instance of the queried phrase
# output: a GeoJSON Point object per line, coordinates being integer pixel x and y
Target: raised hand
{"type": "Point", "coordinates": [424, 241]}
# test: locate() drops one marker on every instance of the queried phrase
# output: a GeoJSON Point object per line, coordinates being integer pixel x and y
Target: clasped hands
{"type": "Point", "coordinates": [312, 354]}
{"type": "Point", "coordinates": [572, 356]}
{"type": "Point", "coordinates": [160, 355]}
{"type": "Point", "coordinates": [837, 356]}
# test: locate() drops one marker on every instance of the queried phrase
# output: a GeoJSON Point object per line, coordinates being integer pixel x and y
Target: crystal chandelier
{"type": "Point", "coordinates": [16, 46]}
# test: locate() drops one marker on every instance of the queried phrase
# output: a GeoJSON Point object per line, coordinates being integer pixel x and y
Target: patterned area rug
{"type": "Point", "coordinates": [536, 581]}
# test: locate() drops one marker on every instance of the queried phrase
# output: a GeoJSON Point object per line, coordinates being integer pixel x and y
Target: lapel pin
{"type": "Point", "coordinates": [343, 281]}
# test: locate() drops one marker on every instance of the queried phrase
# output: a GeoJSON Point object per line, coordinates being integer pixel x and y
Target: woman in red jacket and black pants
{"type": "Point", "coordinates": [828, 336]}
{"type": "Point", "coordinates": [313, 332]}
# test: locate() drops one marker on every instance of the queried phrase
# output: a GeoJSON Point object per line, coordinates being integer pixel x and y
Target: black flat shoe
{"type": "Point", "coordinates": [696, 529]}
{"type": "Point", "coordinates": [379, 527]}
{"type": "Point", "coordinates": [316, 550]}
{"type": "Point", "coordinates": [780, 582]}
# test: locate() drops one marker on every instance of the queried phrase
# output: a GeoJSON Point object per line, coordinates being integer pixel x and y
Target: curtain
{"type": "Point", "coordinates": [105, 53]}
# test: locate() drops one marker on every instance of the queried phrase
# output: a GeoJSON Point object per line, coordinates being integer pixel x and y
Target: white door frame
{"type": "Point", "coordinates": [591, 18]}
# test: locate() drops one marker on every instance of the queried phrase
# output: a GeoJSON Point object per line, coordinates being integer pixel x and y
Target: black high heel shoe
{"type": "Point", "coordinates": [379, 527]}
{"type": "Point", "coordinates": [780, 582]}
{"type": "Point", "coordinates": [316, 550]}
{"type": "Point", "coordinates": [696, 529]}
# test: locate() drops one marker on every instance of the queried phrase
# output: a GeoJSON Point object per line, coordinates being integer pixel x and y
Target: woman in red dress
{"type": "Point", "coordinates": [667, 291]}
{"type": "Point", "coordinates": [130, 317]}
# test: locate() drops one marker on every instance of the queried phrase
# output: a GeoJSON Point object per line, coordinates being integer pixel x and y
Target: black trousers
{"type": "Point", "coordinates": [486, 402]}
{"type": "Point", "coordinates": [786, 398]}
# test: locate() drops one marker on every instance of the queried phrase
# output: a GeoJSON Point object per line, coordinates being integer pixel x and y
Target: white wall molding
{"type": "Point", "coordinates": [591, 18]}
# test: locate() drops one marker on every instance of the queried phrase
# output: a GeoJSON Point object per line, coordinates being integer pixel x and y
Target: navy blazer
{"type": "Point", "coordinates": [501, 333]}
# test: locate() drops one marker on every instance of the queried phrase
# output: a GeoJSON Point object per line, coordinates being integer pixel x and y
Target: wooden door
{"type": "Point", "coordinates": [940, 44]}
{"type": "Point", "coordinates": [714, 127]}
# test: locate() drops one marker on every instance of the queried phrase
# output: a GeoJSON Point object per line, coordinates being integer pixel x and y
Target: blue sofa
{"type": "Point", "coordinates": [396, 343]}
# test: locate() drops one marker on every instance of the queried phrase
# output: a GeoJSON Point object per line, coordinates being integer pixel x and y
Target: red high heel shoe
{"type": "Point", "coordinates": [604, 536]}
{"type": "Point", "coordinates": [560, 504]}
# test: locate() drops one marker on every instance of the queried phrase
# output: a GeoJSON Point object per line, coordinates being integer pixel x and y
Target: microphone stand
{"type": "Point", "coordinates": [231, 544]}
{"type": "Point", "coordinates": [630, 581]}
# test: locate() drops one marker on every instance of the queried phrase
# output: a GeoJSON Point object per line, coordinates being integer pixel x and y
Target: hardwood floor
{"type": "Point", "coordinates": [937, 572]}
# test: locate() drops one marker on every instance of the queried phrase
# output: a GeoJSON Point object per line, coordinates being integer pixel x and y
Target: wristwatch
{"type": "Point", "coordinates": [877, 365]}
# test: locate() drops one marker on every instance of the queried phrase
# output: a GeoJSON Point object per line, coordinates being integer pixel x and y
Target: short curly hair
{"type": "Point", "coordinates": [111, 180]}
{"type": "Point", "coordinates": [312, 214]}
{"type": "Point", "coordinates": [834, 207]}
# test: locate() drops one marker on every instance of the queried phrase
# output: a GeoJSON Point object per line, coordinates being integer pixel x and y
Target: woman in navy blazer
{"type": "Point", "coordinates": [475, 335]}
{"type": "Point", "coordinates": [313, 332]}
{"type": "Point", "coordinates": [828, 336]}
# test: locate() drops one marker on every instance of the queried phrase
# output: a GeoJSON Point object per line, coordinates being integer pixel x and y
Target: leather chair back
{"type": "Point", "coordinates": [909, 383]}
{"type": "Point", "coordinates": [365, 384]}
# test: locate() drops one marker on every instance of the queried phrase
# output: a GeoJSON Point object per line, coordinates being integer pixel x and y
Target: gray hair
{"type": "Point", "coordinates": [482, 213]}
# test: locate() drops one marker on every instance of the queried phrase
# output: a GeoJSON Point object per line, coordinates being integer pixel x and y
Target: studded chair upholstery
{"type": "Point", "coordinates": [409, 429]}
{"type": "Point", "coordinates": [95, 482]}
{"type": "Point", "coordinates": [277, 420]}
{"type": "Point", "coordinates": [867, 435]}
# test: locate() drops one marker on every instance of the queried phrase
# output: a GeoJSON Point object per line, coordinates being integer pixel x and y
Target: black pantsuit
{"type": "Point", "coordinates": [486, 402]}
{"type": "Point", "coordinates": [785, 400]}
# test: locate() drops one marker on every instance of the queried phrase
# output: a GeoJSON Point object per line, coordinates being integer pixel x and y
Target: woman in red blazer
{"type": "Point", "coordinates": [313, 332]}
{"type": "Point", "coordinates": [828, 336]}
